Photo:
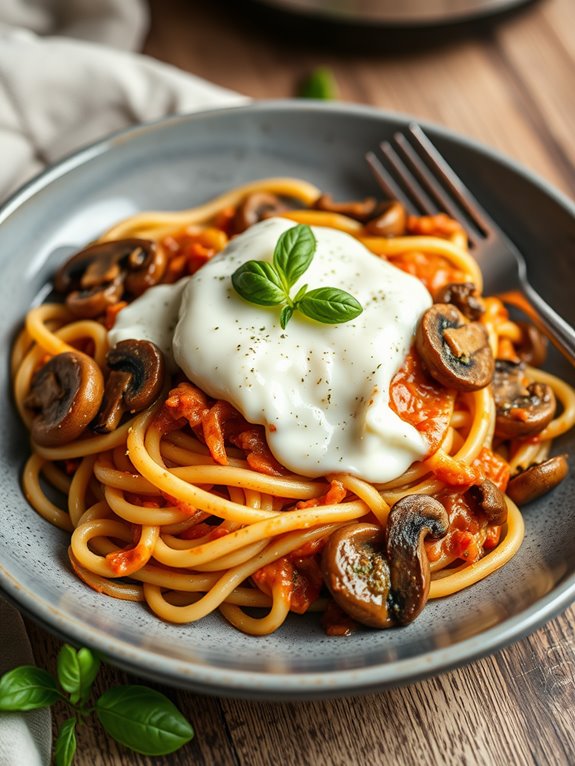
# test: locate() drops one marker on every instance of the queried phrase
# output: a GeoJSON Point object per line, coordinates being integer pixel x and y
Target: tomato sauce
{"type": "Point", "coordinates": [188, 250]}
{"type": "Point", "coordinates": [434, 271]}
{"type": "Point", "coordinates": [466, 535]}
{"type": "Point", "coordinates": [420, 401]}
{"type": "Point", "coordinates": [298, 579]}
{"type": "Point", "coordinates": [493, 467]}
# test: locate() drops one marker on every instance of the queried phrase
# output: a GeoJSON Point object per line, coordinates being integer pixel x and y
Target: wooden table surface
{"type": "Point", "coordinates": [510, 84]}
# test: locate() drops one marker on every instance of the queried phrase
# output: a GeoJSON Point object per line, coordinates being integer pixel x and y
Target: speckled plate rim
{"type": "Point", "coordinates": [206, 678]}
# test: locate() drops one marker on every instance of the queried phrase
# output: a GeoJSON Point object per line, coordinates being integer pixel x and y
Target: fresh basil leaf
{"type": "Point", "coordinates": [77, 671]}
{"type": "Point", "coordinates": [299, 295]}
{"type": "Point", "coordinates": [320, 83]}
{"type": "Point", "coordinates": [27, 688]}
{"type": "Point", "coordinates": [330, 305]}
{"type": "Point", "coordinates": [69, 672]}
{"type": "Point", "coordinates": [89, 667]}
{"type": "Point", "coordinates": [294, 252]}
{"type": "Point", "coordinates": [258, 282]}
{"type": "Point", "coordinates": [65, 747]}
{"type": "Point", "coordinates": [285, 316]}
{"type": "Point", "coordinates": [143, 719]}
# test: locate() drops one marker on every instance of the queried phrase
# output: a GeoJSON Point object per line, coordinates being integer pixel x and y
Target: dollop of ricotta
{"type": "Point", "coordinates": [321, 391]}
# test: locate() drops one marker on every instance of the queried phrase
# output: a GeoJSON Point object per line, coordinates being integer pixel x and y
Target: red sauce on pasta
{"type": "Point", "coordinates": [434, 271]}
{"type": "Point", "coordinates": [418, 400]}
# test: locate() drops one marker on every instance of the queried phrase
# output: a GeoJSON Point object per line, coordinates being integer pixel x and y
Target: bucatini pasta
{"type": "Point", "coordinates": [207, 459]}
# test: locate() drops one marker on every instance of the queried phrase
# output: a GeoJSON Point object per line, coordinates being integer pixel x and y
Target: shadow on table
{"type": "Point", "coordinates": [324, 34]}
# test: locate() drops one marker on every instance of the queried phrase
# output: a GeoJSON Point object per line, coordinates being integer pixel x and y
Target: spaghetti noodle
{"type": "Point", "coordinates": [176, 507]}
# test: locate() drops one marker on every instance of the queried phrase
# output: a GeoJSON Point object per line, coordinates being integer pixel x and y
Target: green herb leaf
{"type": "Point", "coordinates": [258, 282]}
{"type": "Point", "coordinates": [143, 719]}
{"type": "Point", "coordinates": [294, 252]}
{"type": "Point", "coordinates": [285, 316]}
{"type": "Point", "coordinates": [330, 305]}
{"type": "Point", "coordinates": [269, 284]}
{"type": "Point", "coordinates": [27, 688]}
{"type": "Point", "coordinates": [299, 295]}
{"type": "Point", "coordinates": [89, 667]}
{"type": "Point", "coordinates": [320, 83]}
{"type": "Point", "coordinates": [65, 747]}
{"type": "Point", "coordinates": [77, 671]}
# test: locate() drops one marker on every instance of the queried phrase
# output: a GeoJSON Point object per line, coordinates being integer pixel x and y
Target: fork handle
{"type": "Point", "coordinates": [555, 327]}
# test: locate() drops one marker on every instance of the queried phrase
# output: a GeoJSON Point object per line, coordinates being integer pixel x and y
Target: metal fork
{"type": "Point", "coordinates": [414, 172]}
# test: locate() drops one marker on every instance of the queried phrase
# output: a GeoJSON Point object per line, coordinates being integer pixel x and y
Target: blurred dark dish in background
{"type": "Point", "coordinates": [394, 12]}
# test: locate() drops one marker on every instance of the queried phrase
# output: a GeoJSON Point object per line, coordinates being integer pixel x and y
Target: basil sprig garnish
{"type": "Point", "coordinates": [135, 716]}
{"type": "Point", "coordinates": [270, 284]}
{"type": "Point", "coordinates": [320, 84]}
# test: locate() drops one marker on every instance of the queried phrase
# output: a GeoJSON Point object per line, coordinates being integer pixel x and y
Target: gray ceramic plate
{"type": "Point", "coordinates": [181, 162]}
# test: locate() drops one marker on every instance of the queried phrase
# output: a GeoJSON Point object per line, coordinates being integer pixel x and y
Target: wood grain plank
{"type": "Point", "coordinates": [481, 714]}
{"type": "Point", "coordinates": [541, 676]}
{"type": "Point", "coordinates": [476, 715]}
{"type": "Point", "coordinates": [471, 83]}
{"type": "Point", "coordinates": [538, 64]}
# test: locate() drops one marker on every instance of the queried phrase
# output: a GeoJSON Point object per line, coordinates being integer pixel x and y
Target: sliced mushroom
{"type": "Point", "coordinates": [411, 520]}
{"type": "Point", "coordinates": [488, 499]}
{"type": "Point", "coordinates": [145, 267]}
{"type": "Point", "coordinates": [456, 352]}
{"type": "Point", "coordinates": [257, 206]}
{"type": "Point", "coordinates": [465, 296]}
{"type": "Point", "coordinates": [360, 210]}
{"type": "Point", "coordinates": [390, 221]}
{"type": "Point", "coordinates": [532, 348]}
{"type": "Point", "coordinates": [356, 572]}
{"type": "Point", "coordinates": [537, 480]}
{"type": "Point", "coordinates": [136, 379]}
{"type": "Point", "coordinates": [383, 583]}
{"type": "Point", "coordinates": [66, 393]}
{"type": "Point", "coordinates": [95, 277]}
{"type": "Point", "coordinates": [90, 302]}
{"type": "Point", "coordinates": [522, 407]}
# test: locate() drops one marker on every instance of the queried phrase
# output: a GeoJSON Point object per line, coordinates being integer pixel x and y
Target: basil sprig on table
{"type": "Point", "coordinates": [320, 84]}
{"type": "Point", "coordinates": [269, 284]}
{"type": "Point", "coordinates": [135, 716]}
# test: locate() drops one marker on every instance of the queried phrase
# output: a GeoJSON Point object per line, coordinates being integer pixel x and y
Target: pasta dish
{"type": "Point", "coordinates": [275, 402]}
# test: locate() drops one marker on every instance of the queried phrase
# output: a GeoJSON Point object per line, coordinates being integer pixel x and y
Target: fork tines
{"type": "Point", "coordinates": [413, 171]}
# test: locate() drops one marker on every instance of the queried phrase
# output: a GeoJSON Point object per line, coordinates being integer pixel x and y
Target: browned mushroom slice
{"type": "Point", "coordinates": [357, 573]}
{"type": "Point", "coordinates": [257, 206]}
{"type": "Point", "coordinates": [522, 407]}
{"type": "Point", "coordinates": [136, 379]}
{"type": "Point", "coordinates": [456, 352]}
{"type": "Point", "coordinates": [465, 296]}
{"type": "Point", "coordinates": [390, 221]}
{"type": "Point", "coordinates": [360, 210]}
{"type": "Point", "coordinates": [88, 303]}
{"type": "Point", "coordinates": [488, 499]}
{"type": "Point", "coordinates": [145, 266]}
{"type": "Point", "coordinates": [537, 480]}
{"type": "Point", "coordinates": [379, 584]}
{"type": "Point", "coordinates": [93, 278]}
{"type": "Point", "coordinates": [532, 349]}
{"type": "Point", "coordinates": [66, 393]}
{"type": "Point", "coordinates": [411, 520]}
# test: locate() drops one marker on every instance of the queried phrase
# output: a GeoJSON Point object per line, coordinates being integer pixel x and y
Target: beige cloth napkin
{"type": "Point", "coordinates": [25, 738]}
{"type": "Point", "coordinates": [62, 86]}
